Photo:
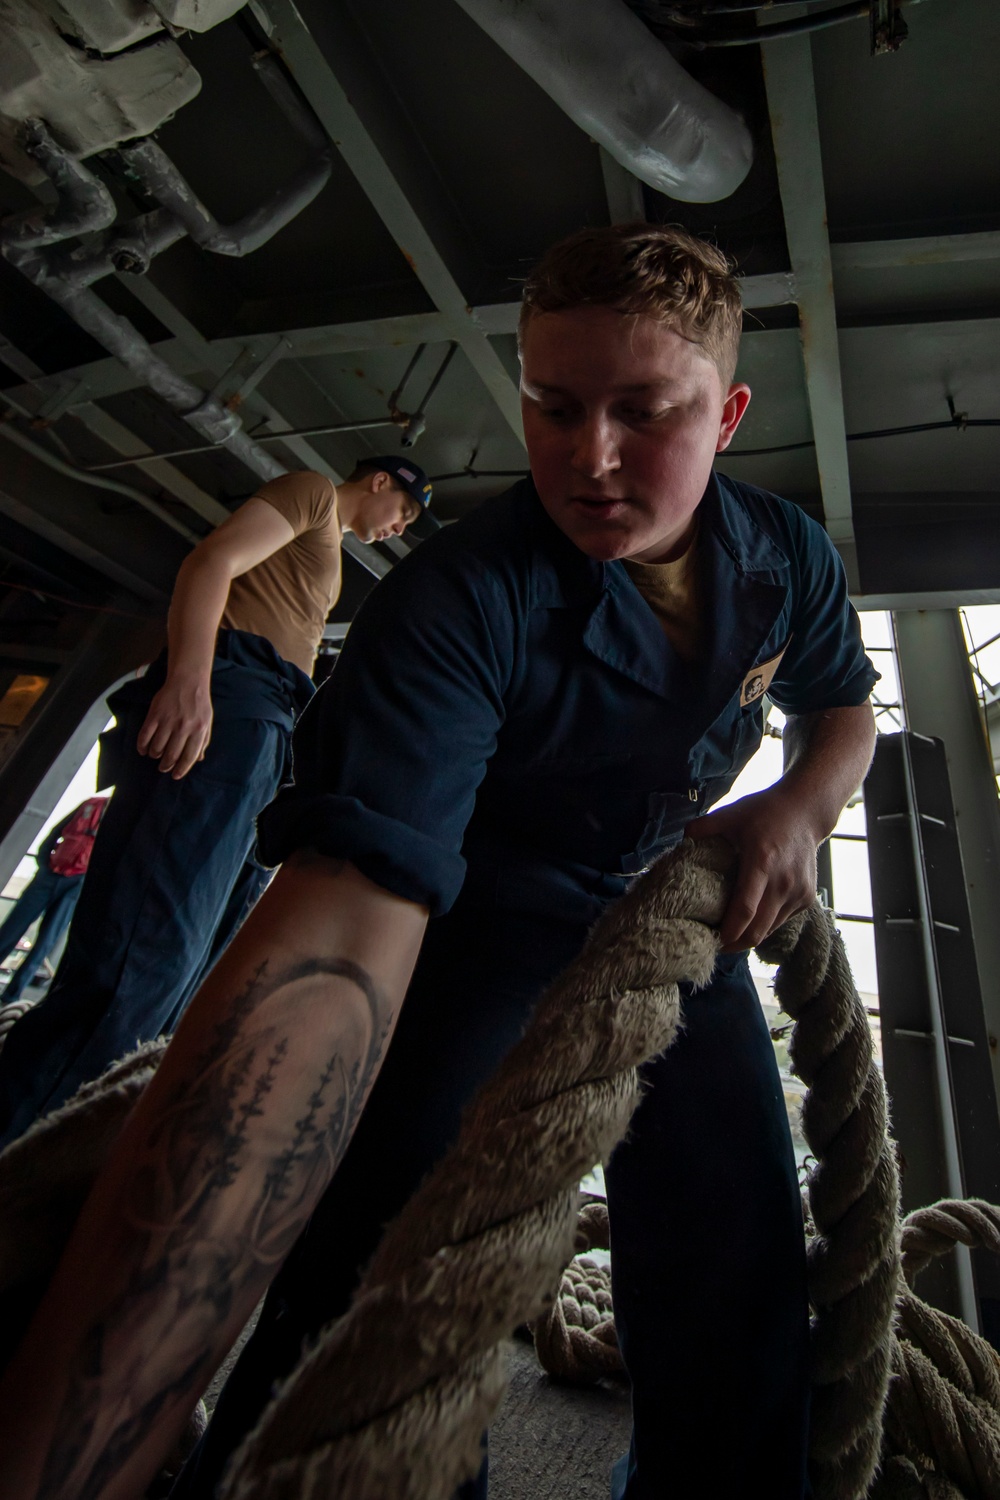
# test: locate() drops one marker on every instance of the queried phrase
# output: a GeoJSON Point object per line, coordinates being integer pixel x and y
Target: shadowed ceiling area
{"type": "Point", "coordinates": [867, 231]}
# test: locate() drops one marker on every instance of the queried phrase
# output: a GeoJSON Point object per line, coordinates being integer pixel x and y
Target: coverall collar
{"type": "Point", "coordinates": [745, 572]}
{"type": "Point", "coordinates": [750, 548]}
{"type": "Point", "coordinates": [571, 577]}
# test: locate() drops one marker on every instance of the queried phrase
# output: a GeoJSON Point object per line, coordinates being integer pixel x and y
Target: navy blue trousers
{"type": "Point", "coordinates": [708, 1262]}
{"type": "Point", "coordinates": [49, 896]}
{"type": "Point", "coordinates": [709, 1258]}
{"type": "Point", "coordinates": [170, 878]}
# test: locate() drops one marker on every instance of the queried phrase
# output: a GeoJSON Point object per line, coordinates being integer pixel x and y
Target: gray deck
{"type": "Point", "coordinates": [555, 1442]}
{"type": "Point", "coordinates": [549, 1442]}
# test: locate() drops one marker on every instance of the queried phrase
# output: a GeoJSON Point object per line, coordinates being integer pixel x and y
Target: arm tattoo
{"type": "Point", "coordinates": [212, 1211]}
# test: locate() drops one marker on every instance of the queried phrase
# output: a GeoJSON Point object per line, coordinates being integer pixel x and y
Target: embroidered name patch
{"type": "Point", "coordinates": [758, 679]}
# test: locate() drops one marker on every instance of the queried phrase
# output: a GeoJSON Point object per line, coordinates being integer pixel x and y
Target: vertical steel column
{"type": "Point", "coordinates": [934, 1043]}
{"type": "Point", "coordinates": [939, 700]}
{"type": "Point", "coordinates": [939, 1038]}
{"type": "Point", "coordinates": [791, 101]}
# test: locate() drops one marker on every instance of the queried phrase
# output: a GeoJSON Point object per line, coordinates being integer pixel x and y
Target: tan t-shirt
{"type": "Point", "coordinates": [288, 596]}
{"type": "Point", "coordinates": [673, 591]}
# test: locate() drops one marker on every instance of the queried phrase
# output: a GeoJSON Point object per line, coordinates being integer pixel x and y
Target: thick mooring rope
{"type": "Point", "coordinates": [942, 1419]}
{"type": "Point", "coordinates": [391, 1400]}
{"type": "Point", "coordinates": [927, 1232]}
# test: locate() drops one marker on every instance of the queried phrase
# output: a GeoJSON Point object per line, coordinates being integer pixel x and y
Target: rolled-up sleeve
{"type": "Point", "coordinates": [388, 756]}
{"type": "Point", "coordinates": [824, 665]}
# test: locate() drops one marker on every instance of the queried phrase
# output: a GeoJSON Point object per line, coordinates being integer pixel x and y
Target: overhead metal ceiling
{"type": "Point", "coordinates": [868, 231]}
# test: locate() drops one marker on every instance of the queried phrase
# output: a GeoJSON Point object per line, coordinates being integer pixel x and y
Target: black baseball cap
{"type": "Point", "coordinates": [410, 476]}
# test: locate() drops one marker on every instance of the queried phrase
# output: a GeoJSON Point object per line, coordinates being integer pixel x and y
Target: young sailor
{"type": "Point", "coordinates": [527, 712]}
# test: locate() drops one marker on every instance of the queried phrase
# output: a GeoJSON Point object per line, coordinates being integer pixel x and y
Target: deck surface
{"type": "Point", "coordinates": [549, 1442]}
{"type": "Point", "coordinates": [555, 1442]}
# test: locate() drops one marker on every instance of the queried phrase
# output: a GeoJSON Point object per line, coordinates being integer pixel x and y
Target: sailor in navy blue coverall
{"type": "Point", "coordinates": [508, 738]}
{"type": "Point", "coordinates": [515, 728]}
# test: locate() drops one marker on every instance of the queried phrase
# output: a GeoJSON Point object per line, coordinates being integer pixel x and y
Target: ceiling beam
{"type": "Point", "coordinates": [191, 354]}
{"type": "Point", "coordinates": [928, 250]}
{"type": "Point", "coordinates": [107, 377]}
{"type": "Point", "coordinates": [287, 32]}
{"type": "Point", "coordinates": [124, 441]}
{"type": "Point", "coordinates": [17, 361]}
{"type": "Point", "coordinates": [220, 361]}
{"type": "Point", "coordinates": [769, 289]}
{"type": "Point", "coordinates": [926, 599]}
{"type": "Point", "coordinates": [51, 531]}
{"type": "Point", "coordinates": [791, 98]}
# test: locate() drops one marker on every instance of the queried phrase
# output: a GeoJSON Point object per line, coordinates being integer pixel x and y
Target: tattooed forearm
{"type": "Point", "coordinates": [221, 1183]}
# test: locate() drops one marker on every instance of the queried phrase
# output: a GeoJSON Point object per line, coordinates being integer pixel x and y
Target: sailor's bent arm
{"type": "Point", "coordinates": [213, 1178]}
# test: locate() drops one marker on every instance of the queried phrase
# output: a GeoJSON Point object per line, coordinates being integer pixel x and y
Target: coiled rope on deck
{"type": "Point", "coordinates": [942, 1420]}
{"type": "Point", "coordinates": [942, 1416]}
{"type": "Point", "coordinates": [575, 1338]}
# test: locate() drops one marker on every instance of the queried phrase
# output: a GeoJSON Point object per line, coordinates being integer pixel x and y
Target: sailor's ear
{"type": "Point", "coordinates": [736, 402]}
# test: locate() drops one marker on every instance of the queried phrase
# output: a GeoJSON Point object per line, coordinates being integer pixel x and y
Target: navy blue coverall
{"type": "Point", "coordinates": [171, 877]}
{"type": "Point", "coordinates": [508, 737]}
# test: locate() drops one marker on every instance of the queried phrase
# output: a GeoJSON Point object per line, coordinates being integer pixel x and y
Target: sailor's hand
{"type": "Point", "coordinates": [776, 840]}
{"type": "Point", "coordinates": [178, 726]}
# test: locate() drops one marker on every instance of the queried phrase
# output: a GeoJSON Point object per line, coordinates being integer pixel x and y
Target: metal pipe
{"type": "Point", "coordinates": [37, 450]}
{"type": "Point", "coordinates": [621, 85]}
{"type": "Point", "coordinates": [161, 179]}
{"type": "Point", "coordinates": [87, 204]}
{"type": "Point", "coordinates": [289, 100]}
{"type": "Point", "coordinates": [814, 21]}
{"type": "Point", "coordinates": [164, 182]}
{"type": "Point", "coordinates": [397, 394]}
{"type": "Point", "coordinates": [206, 415]}
{"type": "Point", "coordinates": [818, 21]}
{"type": "Point", "coordinates": [415, 424]}
{"type": "Point", "coordinates": [83, 203]}
{"type": "Point", "coordinates": [742, 7]}
{"type": "Point", "coordinates": [131, 249]}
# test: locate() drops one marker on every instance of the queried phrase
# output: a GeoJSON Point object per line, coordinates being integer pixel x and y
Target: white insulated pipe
{"type": "Point", "coordinates": [619, 83]}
